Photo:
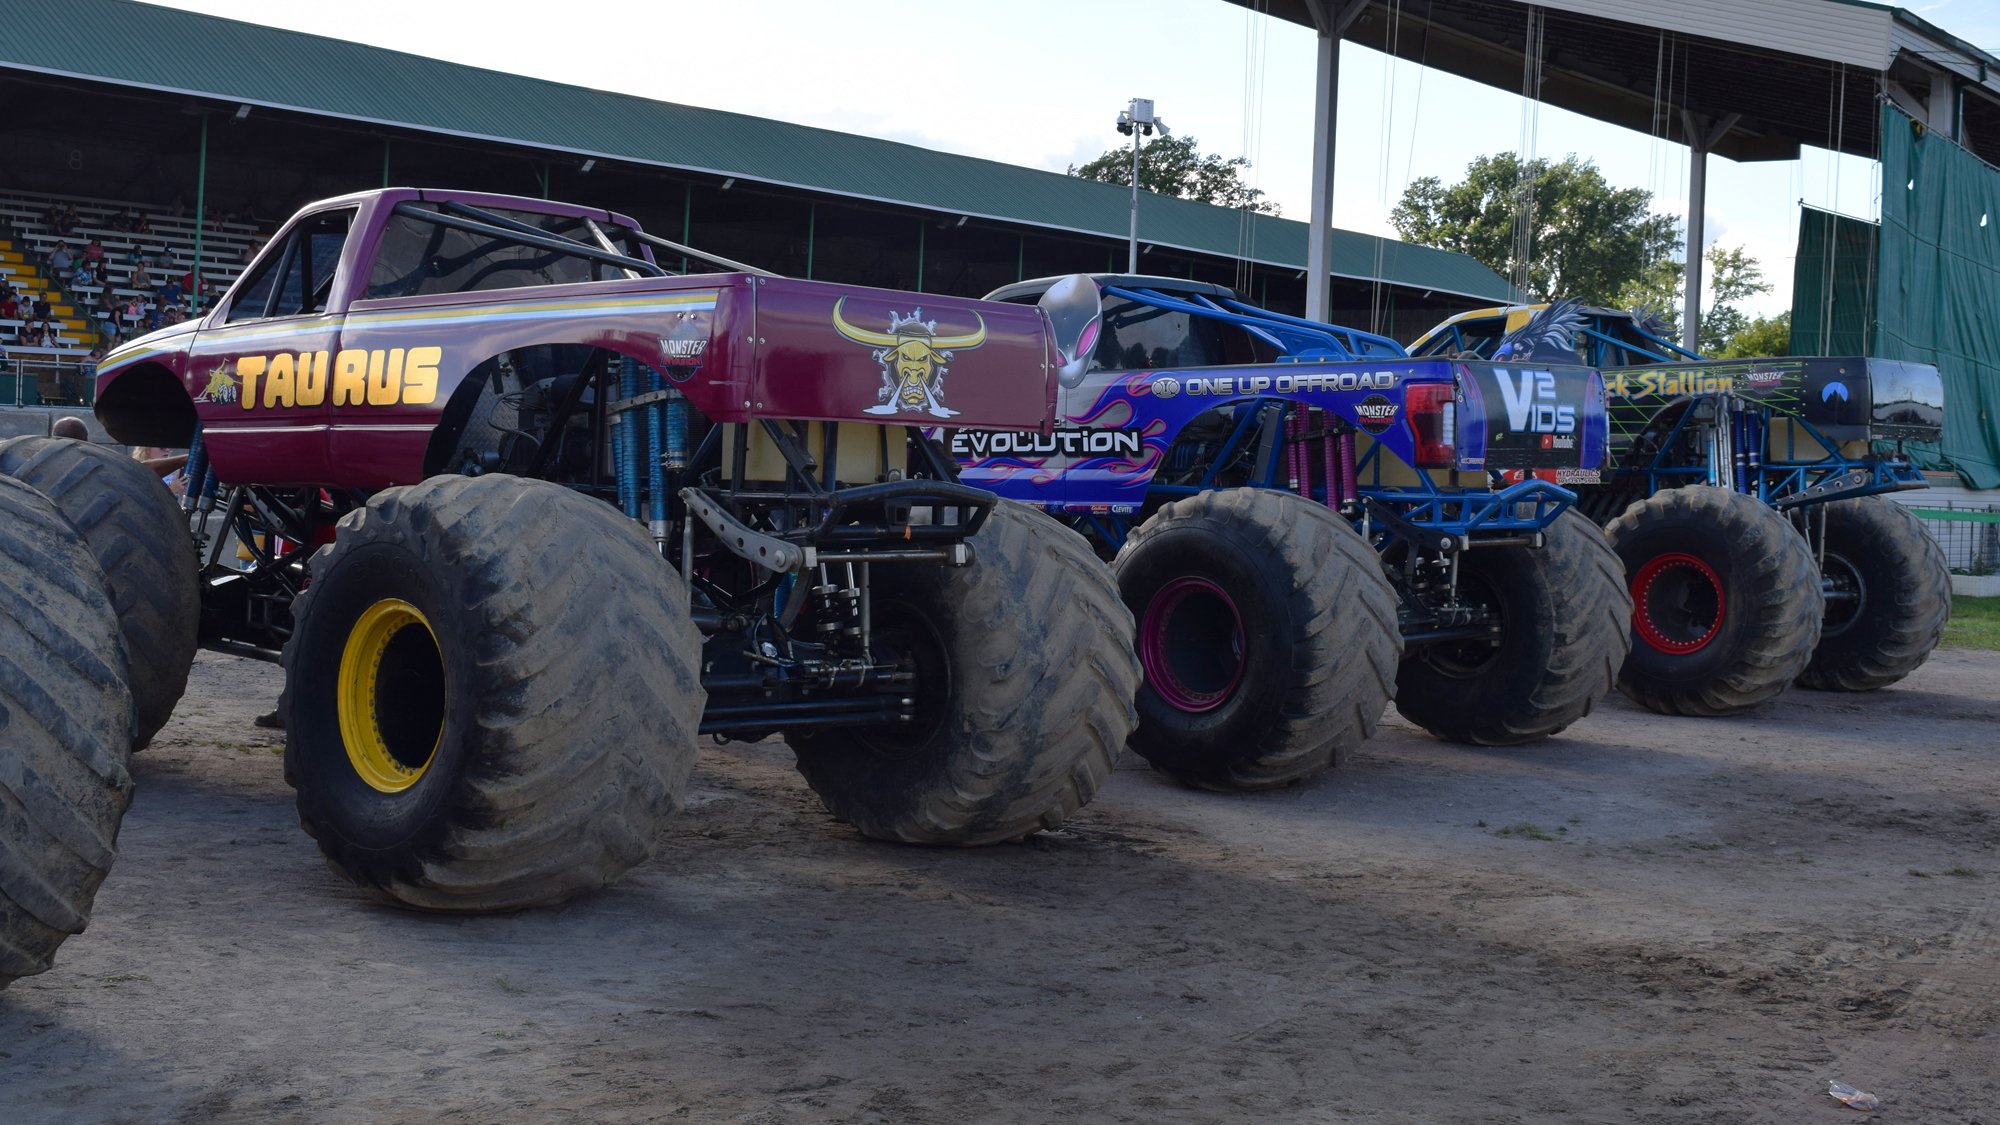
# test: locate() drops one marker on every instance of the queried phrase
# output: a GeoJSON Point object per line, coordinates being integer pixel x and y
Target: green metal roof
{"type": "Point", "coordinates": [164, 49]}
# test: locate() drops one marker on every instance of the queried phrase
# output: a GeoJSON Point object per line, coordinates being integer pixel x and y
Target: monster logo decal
{"type": "Point", "coordinates": [221, 386]}
{"type": "Point", "coordinates": [914, 359]}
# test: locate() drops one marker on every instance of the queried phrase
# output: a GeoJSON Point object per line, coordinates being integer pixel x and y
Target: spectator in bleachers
{"type": "Point", "coordinates": [134, 310]}
{"type": "Point", "coordinates": [107, 304]}
{"type": "Point", "coordinates": [82, 277]}
{"type": "Point", "coordinates": [10, 307]}
{"type": "Point", "coordinates": [174, 315]}
{"type": "Point", "coordinates": [60, 259]}
{"type": "Point", "coordinates": [141, 278]}
{"type": "Point", "coordinates": [66, 221]}
{"type": "Point", "coordinates": [162, 259]}
{"type": "Point", "coordinates": [7, 289]}
{"type": "Point", "coordinates": [40, 310]}
{"type": "Point", "coordinates": [41, 334]}
{"type": "Point", "coordinates": [140, 224]}
{"type": "Point", "coordinates": [122, 221]}
{"type": "Point", "coordinates": [93, 252]}
{"type": "Point", "coordinates": [170, 293]}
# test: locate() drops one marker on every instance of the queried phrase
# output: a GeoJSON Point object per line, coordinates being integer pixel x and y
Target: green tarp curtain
{"type": "Point", "coordinates": [1938, 283]}
{"type": "Point", "coordinates": [1833, 285]}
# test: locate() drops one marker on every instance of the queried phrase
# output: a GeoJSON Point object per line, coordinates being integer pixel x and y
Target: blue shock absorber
{"type": "Point", "coordinates": [656, 476]}
{"type": "Point", "coordinates": [195, 472]}
{"type": "Point", "coordinates": [677, 430]}
{"type": "Point", "coordinates": [626, 449]}
{"type": "Point", "coordinates": [1757, 453]}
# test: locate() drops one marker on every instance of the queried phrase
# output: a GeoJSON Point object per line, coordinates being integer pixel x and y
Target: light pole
{"type": "Point", "coordinates": [1137, 117]}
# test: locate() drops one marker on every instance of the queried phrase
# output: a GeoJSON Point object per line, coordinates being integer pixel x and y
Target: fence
{"type": "Point", "coordinates": [46, 381]}
{"type": "Point", "coordinates": [1969, 532]}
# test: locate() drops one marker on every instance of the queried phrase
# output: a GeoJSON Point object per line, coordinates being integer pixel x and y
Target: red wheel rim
{"type": "Point", "coordinates": [1677, 603]}
{"type": "Point", "coordinates": [1191, 645]}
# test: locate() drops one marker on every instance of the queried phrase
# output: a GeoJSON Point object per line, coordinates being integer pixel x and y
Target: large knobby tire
{"type": "Point", "coordinates": [1888, 595]}
{"type": "Point", "coordinates": [1726, 601]}
{"type": "Point", "coordinates": [1268, 635]}
{"type": "Point", "coordinates": [141, 542]}
{"type": "Point", "coordinates": [492, 694]}
{"type": "Point", "coordinates": [1565, 621]}
{"type": "Point", "coordinates": [1025, 678]}
{"type": "Point", "coordinates": [65, 731]}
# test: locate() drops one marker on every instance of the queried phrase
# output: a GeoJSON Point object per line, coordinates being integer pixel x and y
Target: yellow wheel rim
{"type": "Point", "coordinates": [390, 695]}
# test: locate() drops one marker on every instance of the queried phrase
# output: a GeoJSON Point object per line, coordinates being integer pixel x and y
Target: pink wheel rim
{"type": "Point", "coordinates": [1191, 645]}
{"type": "Point", "coordinates": [1677, 603]}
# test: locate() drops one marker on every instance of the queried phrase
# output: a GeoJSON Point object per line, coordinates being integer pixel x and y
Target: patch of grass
{"type": "Point", "coordinates": [1920, 874]}
{"type": "Point", "coordinates": [1961, 872]}
{"type": "Point", "coordinates": [1527, 830]}
{"type": "Point", "coordinates": [1713, 845]}
{"type": "Point", "coordinates": [124, 978]}
{"type": "Point", "coordinates": [1479, 824]}
{"type": "Point", "coordinates": [1975, 623]}
{"type": "Point", "coordinates": [509, 987]}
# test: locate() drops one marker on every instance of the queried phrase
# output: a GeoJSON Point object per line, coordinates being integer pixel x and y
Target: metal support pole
{"type": "Point", "coordinates": [919, 287]}
{"type": "Point", "coordinates": [1319, 231]}
{"type": "Point", "coordinates": [1697, 198]}
{"type": "Point", "coordinates": [385, 167]}
{"type": "Point", "coordinates": [812, 228]}
{"type": "Point", "coordinates": [1132, 251]}
{"type": "Point", "coordinates": [1702, 136]}
{"type": "Point", "coordinates": [200, 213]}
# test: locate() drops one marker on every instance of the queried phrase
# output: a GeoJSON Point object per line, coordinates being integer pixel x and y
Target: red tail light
{"type": "Point", "coordinates": [1433, 422]}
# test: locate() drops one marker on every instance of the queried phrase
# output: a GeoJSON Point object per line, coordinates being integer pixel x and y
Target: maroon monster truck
{"type": "Point", "coordinates": [526, 512]}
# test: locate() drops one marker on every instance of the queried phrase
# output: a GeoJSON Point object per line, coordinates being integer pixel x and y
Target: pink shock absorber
{"type": "Point", "coordinates": [1328, 462]}
{"type": "Point", "coordinates": [1349, 487]}
{"type": "Point", "coordinates": [1295, 449]}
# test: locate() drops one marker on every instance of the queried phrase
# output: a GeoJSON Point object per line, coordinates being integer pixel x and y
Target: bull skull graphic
{"type": "Point", "coordinates": [914, 360]}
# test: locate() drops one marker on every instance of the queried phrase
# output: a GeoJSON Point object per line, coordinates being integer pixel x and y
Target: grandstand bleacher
{"type": "Point", "coordinates": [34, 373]}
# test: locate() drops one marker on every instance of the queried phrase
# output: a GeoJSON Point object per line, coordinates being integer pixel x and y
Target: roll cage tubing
{"type": "Point", "coordinates": [1285, 333]}
{"type": "Point", "coordinates": [1423, 513]}
{"type": "Point", "coordinates": [478, 220]}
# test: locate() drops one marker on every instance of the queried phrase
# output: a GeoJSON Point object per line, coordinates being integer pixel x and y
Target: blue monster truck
{"type": "Point", "coordinates": [1745, 500]}
{"type": "Point", "coordinates": [1307, 523]}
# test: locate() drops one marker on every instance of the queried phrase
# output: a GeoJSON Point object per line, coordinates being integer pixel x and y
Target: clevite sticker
{"type": "Point", "coordinates": [349, 377]}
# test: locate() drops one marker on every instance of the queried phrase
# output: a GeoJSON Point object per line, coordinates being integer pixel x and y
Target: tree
{"type": "Point", "coordinates": [1770, 335]}
{"type": "Point", "coordinates": [1731, 277]}
{"type": "Point", "coordinates": [1589, 240]}
{"type": "Point", "coordinates": [1176, 166]}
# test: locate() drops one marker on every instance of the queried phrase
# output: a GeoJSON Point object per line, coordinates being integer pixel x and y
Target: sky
{"type": "Point", "coordinates": [1040, 83]}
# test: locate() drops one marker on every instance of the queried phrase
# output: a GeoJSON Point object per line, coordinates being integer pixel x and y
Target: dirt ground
{"type": "Point", "coordinates": [1645, 920]}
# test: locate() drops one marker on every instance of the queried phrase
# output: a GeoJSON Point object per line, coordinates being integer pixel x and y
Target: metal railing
{"type": "Point", "coordinates": [29, 380]}
{"type": "Point", "coordinates": [1968, 532]}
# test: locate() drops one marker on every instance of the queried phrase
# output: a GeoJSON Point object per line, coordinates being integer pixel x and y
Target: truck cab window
{"type": "Point", "coordinates": [296, 279]}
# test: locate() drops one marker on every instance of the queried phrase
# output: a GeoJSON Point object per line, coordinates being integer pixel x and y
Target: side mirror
{"type": "Point", "coordinates": [1075, 312]}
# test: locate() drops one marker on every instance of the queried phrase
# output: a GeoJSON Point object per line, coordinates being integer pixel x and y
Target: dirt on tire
{"type": "Point", "coordinates": [1700, 557]}
{"type": "Point", "coordinates": [140, 541]}
{"type": "Point", "coordinates": [1880, 557]}
{"type": "Point", "coordinates": [1319, 637]}
{"type": "Point", "coordinates": [1037, 707]}
{"type": "Point", "coordinates": [1566, 629]}
{"type": "Point", "coordinates": [570, 697]}
{"type": "Point", "coordinates": [65, 731]}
